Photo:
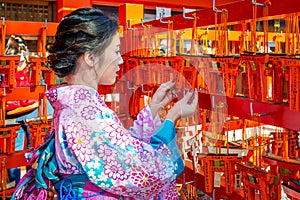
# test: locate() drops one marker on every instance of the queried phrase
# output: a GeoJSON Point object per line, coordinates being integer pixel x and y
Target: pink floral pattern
{"type": "Point", "coordinates": [107, 154]}
{"type": "Point", "coordinates": [136, 144]}
{"type": "Point", "coordinates": [156, 185]}
{"type": "Point", "coordinates": [91, 140]}
{"type": "Point", "coordinates": [172, 193]}
{"type": "Point", "coordinates": [145, 155]}
{"type": "Point", "coordinates": [82, 94]}
{"type": "Point", "coordinates": [88, 112]}
{"type": "Point", "coordinates": [52, 96]}
{"type": "Point", "coordinates": [129, 158]}
{"type": "Point", "coordinates": [115, 170]}
{"type": "Point", "coordinates": [116, 133]}
{"type": "Point", "coordinates": [80, 141]}
{"type": "Point", "coordinates": [163, 149]}
{"type": "Point", "coordinates": [71, 168]}
{"type": "Point", "coordinates": [140, 178]}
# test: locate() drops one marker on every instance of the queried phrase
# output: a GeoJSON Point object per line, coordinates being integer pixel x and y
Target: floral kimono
{"type": "Point", "coordinates": [94, 157]}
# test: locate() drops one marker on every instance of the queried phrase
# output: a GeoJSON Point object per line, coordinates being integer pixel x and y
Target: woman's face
{"type": "Point", "coordinates": [111, 59]}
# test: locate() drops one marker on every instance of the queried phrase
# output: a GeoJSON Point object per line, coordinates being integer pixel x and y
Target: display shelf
{"type": "Point", "coordinates": [39, 132]}
{"type": "Point", "coordinates": [273, 113]}
{"type": "Point", "coordinates": [8, 161]}
{"type": "Point", "coordinates": [198, 180]}
{"type": "Point", "coordinates": [11, 91]}
{"type": "Point", "coordinates": [174, 5]}
{"type": "Point", "coordinates": [287, 168]}
{"type": "Point", "coordinates": [238, 12]}
{"type": "Point", "coordinates": [263, 88]}
{"type": "Point", "coordinates": [214, 92]}
{"type": "Point", "coordinates": [23, 93]}
{"type": "Point", "coordinates": [29, 28]}
{"type": "Point", "coordinates": [7, 138]}
{"type": "Point", "coordinates": [15, 159]}
{"type": "Point", "coordinates": [253, 105]}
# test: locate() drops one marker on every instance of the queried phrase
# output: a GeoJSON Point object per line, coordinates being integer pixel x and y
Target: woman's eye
{"type": "Point", "coordinates": [118, 52]}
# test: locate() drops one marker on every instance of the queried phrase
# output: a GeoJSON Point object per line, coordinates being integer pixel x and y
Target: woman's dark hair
{"type": "Point", "coordinates": [85, 29]}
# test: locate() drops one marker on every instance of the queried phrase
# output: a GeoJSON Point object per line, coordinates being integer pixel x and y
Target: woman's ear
{"type": "Point", "coordinates": [89, 59]}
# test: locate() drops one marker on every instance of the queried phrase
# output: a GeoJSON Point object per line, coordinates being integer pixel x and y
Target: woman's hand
{"type": "Point", "coordinates": [163, 96]}
{"type": "Point", "coordinates": [185, 107]}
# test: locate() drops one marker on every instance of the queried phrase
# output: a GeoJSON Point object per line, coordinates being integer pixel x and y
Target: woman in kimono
{"type": "Point", "coordinates": [90, 155]}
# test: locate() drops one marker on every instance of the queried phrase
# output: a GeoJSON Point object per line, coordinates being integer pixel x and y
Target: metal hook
{"type": "Point", "coordinates": [130, 88]}
{"type": "Point", "coordinates": [3, 21]}
{"type": "Point", "coordinates": [145, 91]}
{"type": "Point", "coordinates": [114, 88]}
{"type": "Point", "coordinates": [188, 182]}
{"type": "Point", "coordinates": [127, 27]}
{"type": "Point", "coordinates": [184, 16]}
{"type": "Point", "coordinates": [256, 114]}
{"type": "Point", "coordinates": [143, 25]}
{"type": "Point", "coordinates": [213, 103]}
{"type": "Point", "coordinates": [251, 110]}
{"type": "Point", "coordinates": [257, 4]}
{"type": "Point", "coordinates": [214, 7]}
{"type": "Point", "coordinates": [45, 23]}
{"type": "Point", "coordinates": [160, 19]}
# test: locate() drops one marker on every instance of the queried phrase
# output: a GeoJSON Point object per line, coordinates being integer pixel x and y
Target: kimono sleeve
{"type": "Point", "coordinates": [119, 163]}
{"type": "Point", "coordinates": [144, 126]}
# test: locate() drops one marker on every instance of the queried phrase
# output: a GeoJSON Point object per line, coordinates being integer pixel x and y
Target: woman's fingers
{"type": "Point", "coordinates": [174, 93]}
{"type": "Point", "coordinates": [194, 99]}
{"type": "Point", "coordinates": [188, 96]}
{"type": "Point", "coordinates": [168, 85]}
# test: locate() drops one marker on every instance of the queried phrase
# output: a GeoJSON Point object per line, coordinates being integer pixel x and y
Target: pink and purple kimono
{"type": "Point", "coordinates": [94, 157]}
